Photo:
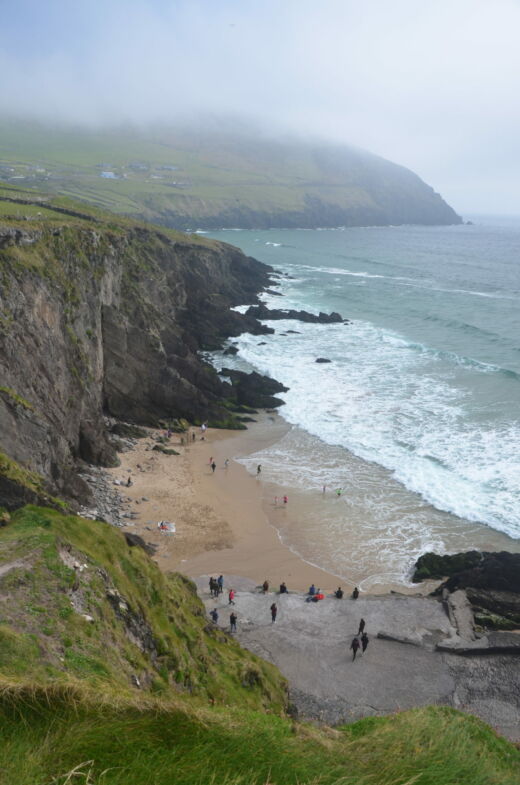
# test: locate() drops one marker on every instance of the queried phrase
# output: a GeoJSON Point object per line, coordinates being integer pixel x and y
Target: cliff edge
{"type": "Point", "coordinates": [100, 316]}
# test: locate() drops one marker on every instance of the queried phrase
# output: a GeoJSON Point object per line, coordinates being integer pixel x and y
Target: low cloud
{"type": "Point", "coordinates": [433, 86]}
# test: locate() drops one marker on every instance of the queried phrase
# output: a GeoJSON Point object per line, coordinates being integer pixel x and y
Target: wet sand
{"type": "Point", "coordinates": [220, 520]}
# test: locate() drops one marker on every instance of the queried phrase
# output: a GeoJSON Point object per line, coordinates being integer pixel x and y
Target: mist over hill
{"type": "Point", "coordinates": [219, 177]}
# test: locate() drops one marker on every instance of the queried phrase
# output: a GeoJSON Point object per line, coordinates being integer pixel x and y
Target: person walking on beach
{"type": "Point", "coordinates": [232, 622]}
{"type": "Point", "coordinates": [220, 583]}
{"type": "Point", "coordinates": [285, 499]}
{"type": "Point", "coordinates": [364, 642]}
{"type": "Point", "coordinates": [210, 460]}
{"type": "Point", "coordinates": [258, 469]}
{"type": "Point", "coordinates": [226, 463]}
{"type": "Point", "coordinates": [355, 593]}
{"type": "Point", "coordinates": [231, 597]}
{"type": "Point", "coordinates": [212, 587]}
{"type": "Point", "coordinates": [354, 646]}
{"type": "Point", "coordinates": [265, 586]}
{"type": "Point", "coordinates": [361, 627]}
{"type": "Point", "coordinates": [274, 611]}
{"type": "Point", "coordinates": [214, 615]}
{"type": "Point", "coordinates": [213, 467]}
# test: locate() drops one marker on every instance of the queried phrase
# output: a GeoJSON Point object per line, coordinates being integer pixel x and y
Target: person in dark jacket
{"type": "Point", "coordinates": [354, 646]}
{"type": "Point", "coordinates": [274, 611]}
{"type": "Point", "coordinates": [214, 615]}
{"type": "Point", "coordinates": [233, 622]}
{"type": "Point", "coordinates": [364, 642]}
{"type": "Point", "coordinates": [361, 627]}
{"type": "Point", "coordinates": [355, 593]}
{"type": "Point", "coordinates": [283, 588]}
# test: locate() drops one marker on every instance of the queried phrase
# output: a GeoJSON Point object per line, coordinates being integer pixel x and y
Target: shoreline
{"type": "Point", "coordinates": [220, 520]}
{"type": "Point", "coordinates": [224, 522]}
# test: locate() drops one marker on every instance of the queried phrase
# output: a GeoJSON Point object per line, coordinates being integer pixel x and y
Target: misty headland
{"type": "Point", "coordinates": [194, 178]}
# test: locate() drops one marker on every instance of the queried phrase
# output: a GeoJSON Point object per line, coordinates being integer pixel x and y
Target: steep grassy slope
{"type": "Point", "coordinates": [189, 179]}
{"type": "Point", "coordinates": [77, 603]}
{"type": "Point", "coordinates": [111, 675]}
{"type": "Point", "coordinates": [58, 736]}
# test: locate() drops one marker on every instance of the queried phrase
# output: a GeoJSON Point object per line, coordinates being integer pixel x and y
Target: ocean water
{"type": "Point", "coordinates": [417, 416]}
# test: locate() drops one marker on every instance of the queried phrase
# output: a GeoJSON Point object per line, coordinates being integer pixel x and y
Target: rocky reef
{"type": "Point", "coordinates": [491, 582]}
{"type": "Point", "coordinates": [263, 312]}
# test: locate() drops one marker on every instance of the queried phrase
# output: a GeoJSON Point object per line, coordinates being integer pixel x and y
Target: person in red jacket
{"type": "Point", "coordinates": [231, 597]}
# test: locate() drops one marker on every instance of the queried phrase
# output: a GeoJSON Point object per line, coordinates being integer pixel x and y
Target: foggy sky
{"type": "Point", "coordinates": [434, 86]}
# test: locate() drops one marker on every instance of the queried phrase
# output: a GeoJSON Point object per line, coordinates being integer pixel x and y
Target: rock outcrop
{"type": "Point", "coordinates": [254, 390]}
{"type": "Point", "coordinates": [491, 582]}
{"type": "Point", "coordinates": [263, 312]}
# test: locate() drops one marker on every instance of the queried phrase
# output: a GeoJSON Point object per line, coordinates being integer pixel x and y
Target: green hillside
{"type": "Point", "coordinates": [111, 675]}
{"type": "Point", "coordinates": [191, 180]}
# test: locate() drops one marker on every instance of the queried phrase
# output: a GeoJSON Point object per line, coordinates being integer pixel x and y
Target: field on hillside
{"type": "Point", "coordinates": [186, 179]}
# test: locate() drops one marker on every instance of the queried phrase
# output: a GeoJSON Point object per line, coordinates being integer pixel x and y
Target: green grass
{"type": "Point", "coordinates": [215, 173]}
{"type": "Point", "coordinates": [46, 733]}
{"type": "Point", "coordinates": [17, 399]}
{"type": "Point", "coordinates": [206, 712]}
{"type": "Point", "coordinates": [19, 475]}
{"type": "Point", "coordinates": [177, 646]}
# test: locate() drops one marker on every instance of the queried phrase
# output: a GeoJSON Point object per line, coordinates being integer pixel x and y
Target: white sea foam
{"type": "Point", "coordinates": [379, 399]}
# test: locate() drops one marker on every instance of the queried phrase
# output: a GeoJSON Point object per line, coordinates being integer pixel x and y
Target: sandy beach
{"type": "Point", "coordinates": [220, 517]}
{"type": "Point", "coordinates": [225, 521]}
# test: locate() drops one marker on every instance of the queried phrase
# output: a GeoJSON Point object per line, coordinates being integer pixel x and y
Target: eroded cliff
{"type": "Point", "coordinates": [97, 317]}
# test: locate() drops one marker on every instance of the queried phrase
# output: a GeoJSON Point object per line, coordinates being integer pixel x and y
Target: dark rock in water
{"type": "Point", "coordinates": [262, 343]}
{"type": "Point", "coordinates": [263, 312]}
{"type": "Point", "coordinates": [128, 431]}
{"type": "Point", "coordinates": [322, 360]}
{"type": "Point", "coordinates": [272, 291]}
{"type": "Point", "coordinates": [133, 540]}
{"type": "Point", "coordinates": [293, 332]}
{"type": "Point", "coordinates": [432, 565]}
{"type": "Point", "coordinates": [253, 389]}
{"type": "Point", "coordinates": [231, 350]}
{"type": "Point", "coordinates": [500, 571]}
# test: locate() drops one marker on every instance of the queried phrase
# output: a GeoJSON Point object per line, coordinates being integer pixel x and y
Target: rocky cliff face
{"type": "Point", "coordinates": [107, 318]}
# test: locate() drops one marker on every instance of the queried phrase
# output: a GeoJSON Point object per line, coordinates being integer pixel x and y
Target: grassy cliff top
{"type": "Point", "coordinates": [35, 207]}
